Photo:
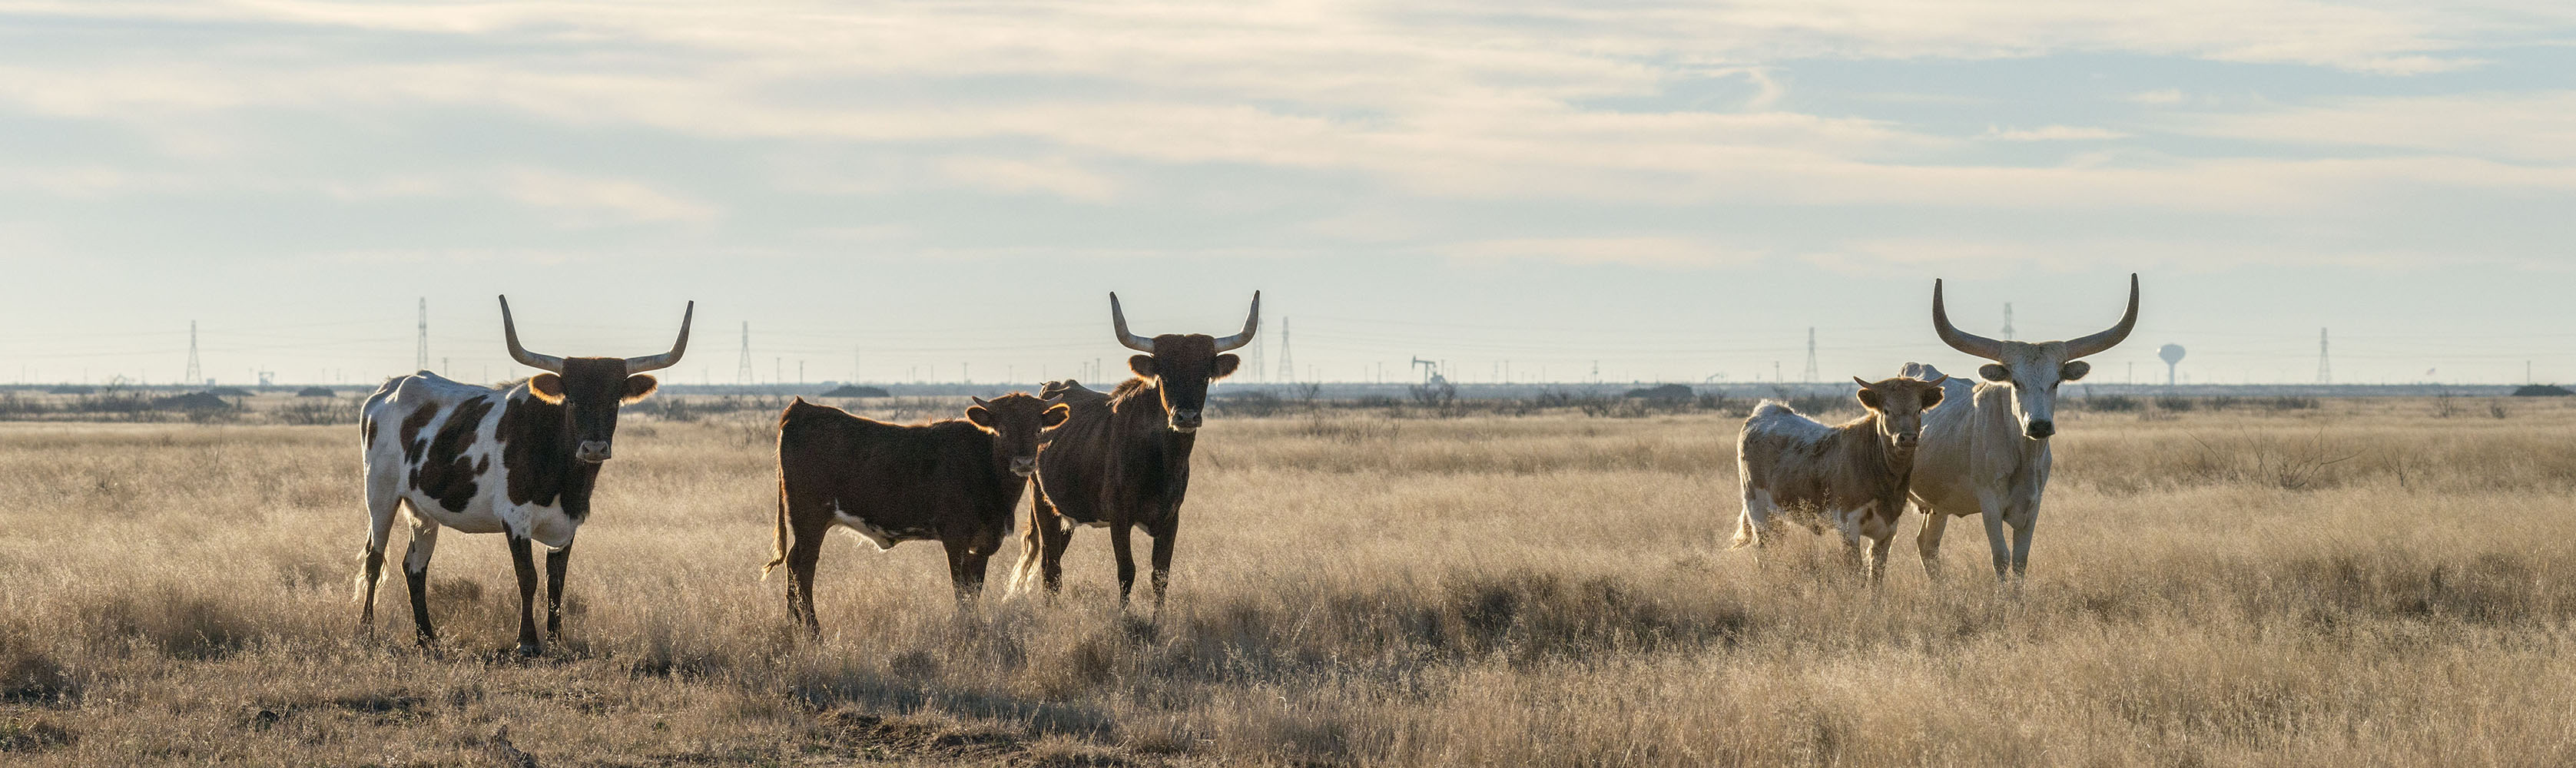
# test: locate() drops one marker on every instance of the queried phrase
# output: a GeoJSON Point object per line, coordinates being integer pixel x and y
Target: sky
{"type": "Point", "coordinates": [948, 191]}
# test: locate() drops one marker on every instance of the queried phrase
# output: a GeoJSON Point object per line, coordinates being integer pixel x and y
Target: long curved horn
{"type": "Point", "coordinates": [2099, 342]}
{"type": "Point", "coordinates": [1118, 321]}
{"type": "Point", "coordinates": [666, 359]}
{"type": "Point", "coordinates": [510, 333]}
{"type": "Point", "coordinates": [1961, 340]}
{"type": "Point", "coordinates": [1250, 322]}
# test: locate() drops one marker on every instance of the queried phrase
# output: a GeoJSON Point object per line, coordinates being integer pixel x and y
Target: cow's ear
{"type": "Point", "coordinates": [1055, 416]}
{"type": "Point", "coordinates": [1869, 398]}
{"type": "Point", "coordinates": [1993, 372]}
{"type": "Point", "coordinates": [1225, 366]}
{"type": "Point", "coordinates": [1931, 397]}
{"type": "Point", "coordinates": [637, 386]}
{"type": "Point", "coordinates": [1143, 365]}
{"type": "Point", "coordinates": [547, 387]}
{"type": "Point", "coordinates": [983, 419]}
{"type": "Point", "coordinates": [2074, 370]}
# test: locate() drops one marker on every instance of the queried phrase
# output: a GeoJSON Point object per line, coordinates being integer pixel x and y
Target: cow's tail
{"type": "Point", "coordinates": [1745, 536]}
{"type": "Point", "coordinates": [781, 555]}
{"type": "Point", "coordinates": [1024, 574]}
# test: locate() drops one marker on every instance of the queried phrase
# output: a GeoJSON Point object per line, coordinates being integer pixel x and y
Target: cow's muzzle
{"type": "Point", "coordinates": [593, 451]}
{"type": "Point", "coordinates": [2040, 429]}
{"type": "Point", "coordinates": [1024, 466]}
{"type": "Point", "coordinates": [1185, 421]}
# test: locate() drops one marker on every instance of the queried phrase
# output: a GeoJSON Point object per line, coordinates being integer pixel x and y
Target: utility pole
{"type": "Point", "coordinates": [2008, 331]}
{"type": "Point", "coordinates": [193, 377]}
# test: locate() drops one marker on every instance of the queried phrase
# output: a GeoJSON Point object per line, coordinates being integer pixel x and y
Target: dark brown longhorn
{"type": "Point", "coordinates": [1123, 459]}
{"type": "Point", "coordinates": [955, 482]}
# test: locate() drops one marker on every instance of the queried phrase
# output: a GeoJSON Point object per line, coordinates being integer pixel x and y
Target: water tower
{"type": "Point", "coordinates": [2172, 353]}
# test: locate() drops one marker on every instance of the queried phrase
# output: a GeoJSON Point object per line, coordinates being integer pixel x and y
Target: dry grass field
{"type": "Point", "coordinates": [2361, 583]}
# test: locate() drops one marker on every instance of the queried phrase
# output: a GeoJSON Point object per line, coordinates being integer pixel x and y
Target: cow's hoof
{"type": "Point", "coordinates": [528, 650]}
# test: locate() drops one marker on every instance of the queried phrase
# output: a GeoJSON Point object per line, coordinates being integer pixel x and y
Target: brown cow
{"type": "Point", "coordinates": [1123, 459]}
{"type": "Point", "coordinates": [1851, 475]}
{"type": "Point", "coordinates": [520, 460]}
{"type": "Point", "coordinates": [955, 482]}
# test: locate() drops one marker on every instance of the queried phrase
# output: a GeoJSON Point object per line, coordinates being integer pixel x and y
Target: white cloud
{"type": "Point", "coordinates": [1635, 251]}
{"type": "Point", "coordinates": [2159, 97]}
{"type": "Point", "coordinates": [2517, 127]}
{"type": "Point", "coordinates": [583, 202]}
{"type": "Point", "coordinates": [2053, 133]}
{"type": "Point", "coordinates": [1051, 176]}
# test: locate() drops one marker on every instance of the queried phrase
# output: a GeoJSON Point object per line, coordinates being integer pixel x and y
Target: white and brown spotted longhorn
{"type": "Point", "coordinates": [518, 460]}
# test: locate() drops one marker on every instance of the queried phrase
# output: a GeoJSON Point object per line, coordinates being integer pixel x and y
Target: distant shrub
{"type": "Point", "coordinates": [318, 412]}
{"type": "Point", "coordinates": [1663, 392]}
{"type": "Point", "coordinates": [1255, 404]}
{"type": "Point", "coordinates": [2109, 403]}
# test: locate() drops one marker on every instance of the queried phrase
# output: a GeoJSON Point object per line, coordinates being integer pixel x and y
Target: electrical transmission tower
{"type": "Point", "coordinates": [742, 372]}
{"type": "Point", "coordinates": [1811, 375]}
{"type": "Point", "coordinates": [193, 376]}
{"type": "Point", "coordinates": [2008, 332]}
{"type": "Point", "coordinates": [420, 361]}
{"type": "Point", "coordinates": [1287, 360]}
{"type": "Point", "coordinates": [2325, 367]}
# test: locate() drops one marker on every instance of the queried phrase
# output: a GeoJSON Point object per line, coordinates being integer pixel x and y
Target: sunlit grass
{"type": "Point", "coordinates": [2356, 584]}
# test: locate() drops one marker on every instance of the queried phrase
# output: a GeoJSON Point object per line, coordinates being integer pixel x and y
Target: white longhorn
{"type": "Point", "coordinates": [1986, 453]}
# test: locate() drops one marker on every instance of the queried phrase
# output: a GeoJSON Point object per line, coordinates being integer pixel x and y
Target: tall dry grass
{"type": "Point", "coordinates": [2360, 583]}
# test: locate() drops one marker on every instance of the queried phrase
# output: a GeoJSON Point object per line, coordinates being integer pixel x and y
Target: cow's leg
{"type": "Point", "coordinates": [523, 561]}
{"type": "Point", "coordinates": [2025, 518]}
{"type": "Point", "coordinates": [1853, 561]}
{"type": "Point", "coordinates": [1051, 562]}
{"type": "Point", "coordinates": [1992, 510]}
{"type": "Point", "coordinates": [1044, 547]}
{"type": "Point", "coordinates": [556, 561]}
{"type": "Point", "coordinates": [1927, 542]}
{"type": "Point", "coordinates": [424, 540]}
{"type": "Point", "coordinates": [1126, 555]}
{"type": "Point", "coordinates": [1751, 523]}
{"type": "Point", "coordinates": [965, 569]}
{"type": "Point", "coordinates": [801, 557]}
{"type": "Point", "coordinates": [381, 508]}
{"type": "Point", "coordinates": [1878, 548]}
{"type": "Point", "coordinates": [1162, 576]}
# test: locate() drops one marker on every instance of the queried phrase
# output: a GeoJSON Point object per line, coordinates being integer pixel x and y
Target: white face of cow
{"type": "Point", "coordinates": [2033, 369]}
